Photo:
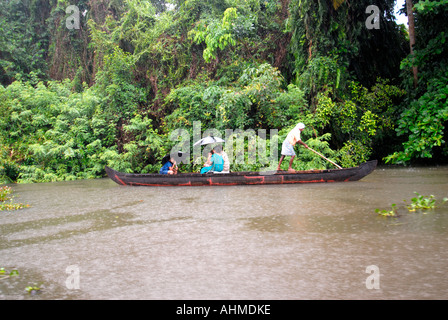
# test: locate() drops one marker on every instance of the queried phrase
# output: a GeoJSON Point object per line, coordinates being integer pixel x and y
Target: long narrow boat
{"type": "Point", "coordinates": [243, 178]}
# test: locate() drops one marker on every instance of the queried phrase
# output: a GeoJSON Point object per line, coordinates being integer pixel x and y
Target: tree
{"type": "Point", "coordinates": [24, 39]}
{"type": "Point", "coordinates": [423, 122]}
{"type": "Point", "coordinates": [410, 14]}
{"type": "Point", "coordinates": [337, 29]}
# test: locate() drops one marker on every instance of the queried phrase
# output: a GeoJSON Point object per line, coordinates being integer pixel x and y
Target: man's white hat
{"type": "Point", "coordinates": [300, 126]}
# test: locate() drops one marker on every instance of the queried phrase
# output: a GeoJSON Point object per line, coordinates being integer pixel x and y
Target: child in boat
{"type": "Point", "coordinates": [215, 162]}
{"type": "Point", "coordinates": [169, 167]}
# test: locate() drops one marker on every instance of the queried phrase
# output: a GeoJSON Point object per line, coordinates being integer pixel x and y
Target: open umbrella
{"type": "Point", "coordinates": [208, 140]}
{"type": "Point", "coordinates": [166, 158]}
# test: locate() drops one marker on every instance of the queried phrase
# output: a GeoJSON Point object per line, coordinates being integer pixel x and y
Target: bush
{"type": "Point", "coordinates": [49, 132]}
{"type": "Point", "coordinates": [360, 122]}
{"type": "Point", "coordinates": [423, 123]}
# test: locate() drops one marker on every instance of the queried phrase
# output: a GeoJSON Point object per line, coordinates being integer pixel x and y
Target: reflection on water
{"type": "Point", "coordinates": [241, 242]}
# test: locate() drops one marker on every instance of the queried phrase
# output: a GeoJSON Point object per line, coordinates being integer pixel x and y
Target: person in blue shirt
{"type": "Point", "coordinates": [169, 167]}
{"type": "Point", "coordinates": [215, 162]}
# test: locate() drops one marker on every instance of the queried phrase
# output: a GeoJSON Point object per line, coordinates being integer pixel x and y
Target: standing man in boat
{"type": "Point", "coordinates": [291, 140]}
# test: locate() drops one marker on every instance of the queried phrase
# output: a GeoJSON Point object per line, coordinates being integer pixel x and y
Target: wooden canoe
{"type": "Point", "coordinates": [242, 178]}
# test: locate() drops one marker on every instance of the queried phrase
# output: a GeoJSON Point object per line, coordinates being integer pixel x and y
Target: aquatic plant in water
{"type": "Point", "coordinates": [388, 213]}
{"type": "Point", "coordinates": [421, 202]}
{"type": "Point", "coordinates": [5, 274]}
{"type": "Point", "coordinates": [33, 290]}
{"type": "Point", "coordinates": [6, 200]}
{"type": "Point", "coordinates": [4, 193]}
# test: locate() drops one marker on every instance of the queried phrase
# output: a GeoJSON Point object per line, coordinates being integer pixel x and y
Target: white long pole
{"type": "Point", "coordinates": [325, 158]}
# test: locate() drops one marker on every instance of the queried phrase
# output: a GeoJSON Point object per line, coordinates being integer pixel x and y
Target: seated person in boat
{"type": "Point", "coordinates": [215, 162]}
{"type": "Point", "coordinates": [291, 140]}
{"type": "Point", "coordinates": [169, 167]}
{"type": "Point", "coordinates": [219, 151]}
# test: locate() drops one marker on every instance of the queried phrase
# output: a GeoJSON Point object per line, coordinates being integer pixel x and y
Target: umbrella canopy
{"type": "Point", "coordinates": [208, 140]}
{"type": "Point", "coordinates": [167, 158]}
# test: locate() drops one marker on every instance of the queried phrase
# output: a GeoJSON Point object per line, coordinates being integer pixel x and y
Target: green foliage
{"type": "Point", "coordinates": [360, 122]}
{"type": "Point", "coordinates": [421, 203]}
{"type": "Point", "coordinates": [145, 149]}
{"type": "Point", "coordinates": [418, 203]}
{"type": "Point", "coordinates": [4, 193]}
{"type": "Point", "coordinates": [216, 35]}
{"type": "Point", "coordinates": [425, 113]}
{"type": "Point", "coordinates": [427, 6]}
{"type": "Point", "coordinates": [321, 73]}
{"type": "Point", "coordinates": [137, 70]}
{"type": "Point", "coordinates": [33, 289]}
{"type": "Point", "coordinates": [122, 96]}
{"type": "Point", "coordinates": [424, 123]}
{"type": "Point", "coordinates": [325, 28]}
{"type": "Point", "coordinates": [23, 44]}
{"type": "Point", "coordinates": [353, 103]}
{"type": "Point", "coordinates": [388, 213]}
{"type": "Point", "coordinates": [50, 133]}
{"type": "Point", "coordinates": [6, 200]}
{"type": "Point", "coordinates": [353, 153]}
{"type": "Point", "coordinates": [6, 274]}
{"type": "Point", "coordinates": [255, 100]}
{"type": "Point", "coordinates": [308, 160]}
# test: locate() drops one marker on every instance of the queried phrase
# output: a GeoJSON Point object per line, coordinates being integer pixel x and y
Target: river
{"type": "Point", "coordinates": [94, 239]}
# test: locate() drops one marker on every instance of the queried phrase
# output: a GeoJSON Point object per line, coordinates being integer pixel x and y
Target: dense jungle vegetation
{"type": "Point", "coordinates": [107, 83]}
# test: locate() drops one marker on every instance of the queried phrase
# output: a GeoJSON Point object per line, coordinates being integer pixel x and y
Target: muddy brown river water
{"type": "Point", "coordinates": [94, 239]}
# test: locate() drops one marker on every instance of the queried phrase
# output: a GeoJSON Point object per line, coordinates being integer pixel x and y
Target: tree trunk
{"type": "Point", "coordinates": [410, 13]}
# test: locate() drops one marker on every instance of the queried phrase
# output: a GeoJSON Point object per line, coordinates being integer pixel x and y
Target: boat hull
{"type": "Point", "coordinates": [243, 178]}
